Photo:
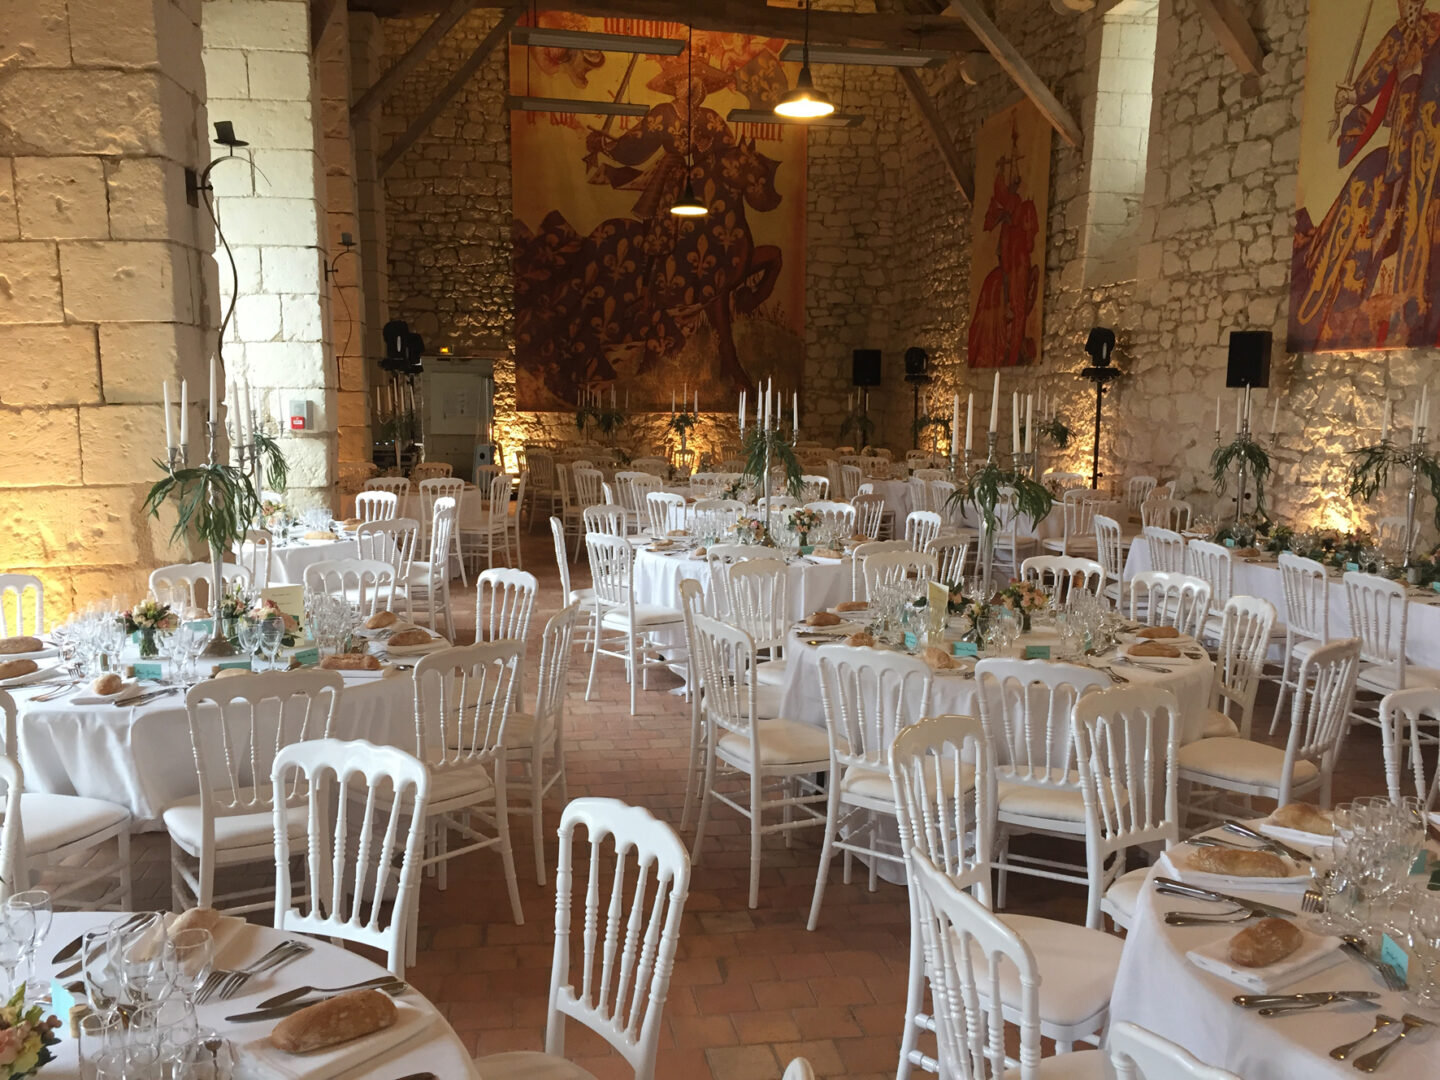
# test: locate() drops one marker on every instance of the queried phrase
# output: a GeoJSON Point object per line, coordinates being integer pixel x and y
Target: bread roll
{"type": "Point", "coordinates": [350, 524]}
{"type": "Point", "coordinates": [320, 534]}
{"type": "Point", "coordinates": [351, 662]}
{"type": "Point", "coordinates": [411, 637]}
{"type": "Point", "coordinates": [230, 672]}
{"type": "Point", "coordinates": [1153, 648]}
{"type": "Point", "coordinates": [823, 618]}
{"type": "Point", "coordinates": [11, 645]}
{"type": "Point", "coordinates": [937, 658]}
{"type": "Point", "coordinates": [861, 639]}
{"type": "Point", "coordinates": [381, 619]}
{"type": "Point", "coordinates": [1236, 863]}
{"type": "Point", "coordinates": [1267, 942]}
{"type": "Point", "coordinates": [1303, 817]}
{"type": "Point", "coordinates": [109, 683]}
{"type": "Point", "coordinates": [13, 669]}
{"type": "Point", "coordinates": [1159, 633]}
{"type": "Point", "coordinates": [197, 918]}
{"type": "Point", "coordinates": [332, 1022]}
{"type": "Point", "coordinates": [852, 605]}
{"type": "Point", "coordinates": [678, 532]}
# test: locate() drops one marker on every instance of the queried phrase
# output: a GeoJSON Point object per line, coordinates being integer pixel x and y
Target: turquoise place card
{"type": "Point", "coordinates": [1394, 954]}
{"type": "Point", "coordinates": [964, 648]}
{"type": "Point", "coordinates": [149, 669]}
{"type": "Point", "coordinates": [1037, 652]}
{"type": "Point", "coordinates": [911, 641]}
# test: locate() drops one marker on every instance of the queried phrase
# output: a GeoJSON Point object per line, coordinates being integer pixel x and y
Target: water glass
{"type": "Point", "coordinates": [248, 634]}
{"type": "Point", "coordinates": [189, 956]}
{"type": "Point", "coordinates": [127, 1062]}
{"type": "Point", "coordinates": [33, 911]}
{"type": "Point", "coordinates": [102, 982]}
{"type": "Point", "coordinates": [1424, 972]}
{"type": "Point", "coordinates": [272, 631]}
{"type": "Point", "coordinates": [208, 1057]}
{"type": "Point", "coordinates": [100, 1033]}
{"type": "Point", "coordinates": [164, 1026]}
{"type": "Point", "coordinates": [137, 953]}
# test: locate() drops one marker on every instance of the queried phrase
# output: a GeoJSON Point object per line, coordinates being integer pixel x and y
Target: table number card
{"type": "Point", "coordinates": [911, 641]}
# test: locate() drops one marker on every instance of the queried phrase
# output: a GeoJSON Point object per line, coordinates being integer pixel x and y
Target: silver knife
{"type": "Point", "coordinates": [69, 950]}
{"type": "Point", "coordinates": [1180, 888]}
{"type": "Point", "coordinates": [1278, 847]}
{"type": "Point", "coordinates": [277, 1012]}
{"type": "Point", "coordinates": [1256, 1001]}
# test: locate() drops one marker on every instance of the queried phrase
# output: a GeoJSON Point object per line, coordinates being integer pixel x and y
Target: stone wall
{"type": "Point", "coordinates": [106, 282]}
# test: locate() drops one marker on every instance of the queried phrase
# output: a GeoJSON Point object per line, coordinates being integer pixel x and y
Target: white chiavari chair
{"type": "Point", "coordinates": [491, 526]}
{"type": "Point", "coordinates": [1137, 490]}
{"type": "Point", "coordinates": [237, 727]}
{"type": "Point", "coordinates": [1061, 482]}
{"type": "Point", "coordinates": [513, 526]}
{"type": "Point", "coordinates": [1110, 553]}
{"type": "Point", "coordinates": [892, 567]}
{"type": "Point", "coordinates": [463, 699]}
{"type": "Point", "coordinates": [1380, 617]}
{"type": "Point", "coordinates": [758, 595]}
{"type": "Point", "coordinates": [431, 470]}
{"type": "Point", "coordinates": [861, 553]}
{"type": "Point", "coordinates": [429, 579]}
{"type": "Point", "coordinates": [399, 486]}
{"type": "Point", "coordinates": [369, 584]}
{"type": "Point", "coordinates": [544, 485]}
{"type": "Point", "coordinates": [837, 515]}
{"type": "Point", "coordinates": [41, 831]}
{"type": "Point", "coordinates": [176, 584]}
{"type": "Point", "coordinates": [768, 753]}
{"type": "Point", "coordinates": [869, 514]}
{"type": "Point", "coordinates": [1390, 534]}
{"type": "Point", "coordinates": [919, 492]}
{"type": "Point", "coordinates": [1245, 627]}
{"type": "Point", "coordinates": [1011, 545]}
{"type": "Point", "coordinates": [584, 597]}
{"type": "Point", "coordinates": [359, 864]}
{"type": "Point", "coordinates": [849, 480]}
{"type": "Point", "coordinates": [1167, 549]}
{"type": "Point", "coordinates": [1319, 718]}
{"type": "Point", "coordinates": [664, 511]}
{"type": "Point", "coordinates": [719, 558]}
{"type": "Point", "coordinates": [921, 528]}
{"type": "Point", "coordinates": [655, 466]}
{"type": "Point", "coordinates": [1212, 563]}
{"type": "Point", "coordinates": [256, 556]}
{"type": "Point", "coordinates": [391, 541]}
{"type": "Point", "coordinates": [868, 697]}
{"type": "Point", "coordinates": [1063, 573]}
{"type": "Point", "coordinates": [714, 518]}
{"type": "Point", "coordinates": [1409, 728]}
{"type": "Point", "coordinates": [1174, 514]}
{"type": "Point", "coordinates": [1307, 618]}
{"type": "Point", "coordinates": [627, 951]}
{"type": "Point", "coordinates": [612, 564]}
{"type": "Point", "coordinates": [1137, 1054]}
{"type": "Point", "coordinates": [1077, 510]}
{"type": "Point", "coordinates": [432, 490]}
{"type": "Point", "coordinates": [377, 505]}
{"type": "Point", "coordinates": [1159, 598]}
{"type": "Point", "coordinates": [814, 487]}
{"type": "Point", "coordinates": [950, 550]}
{"type": "Point", "coordinates": [13, 588]}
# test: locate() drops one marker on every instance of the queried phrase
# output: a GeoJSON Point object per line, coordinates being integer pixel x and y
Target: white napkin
{"type": "Point", "coordinates": [410, 1021]}
{"type": "Point", "coordinates": [127, 688]}
{"type": "Point", "coordinates": [1174, 863]}
{"type": "Point", "coordinates": [1294, 837]}
{"type": "Point", "coordinates": [1316, 953]}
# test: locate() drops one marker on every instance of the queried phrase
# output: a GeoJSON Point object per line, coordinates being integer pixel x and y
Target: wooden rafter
{"type": "Point", "coordinates": [321, 12]}
{"type": "Point", "coordinates": [443, 24]}
{"type": "Point", "coordinates": [745, 17]}
{"type": "Point", "coordinates": [959, 170]}
{"type": "Point", "coordinates": [457, 82]}
{"type": "Point", "coordinates": [1009, 58]}
{"type": "Point", "coordinates": [1235, 34]}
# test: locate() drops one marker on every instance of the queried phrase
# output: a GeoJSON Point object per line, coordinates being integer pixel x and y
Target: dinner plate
{"type": "Point", "coordinates": [418, 650]}
{"type": "Point", "coordinates": [1177, 861]}
{"type": "Point", "coordinates": [25, 680]}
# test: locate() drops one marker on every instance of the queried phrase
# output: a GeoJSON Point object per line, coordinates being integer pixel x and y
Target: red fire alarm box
{"type": "Point", "coordinates": [300, 415]}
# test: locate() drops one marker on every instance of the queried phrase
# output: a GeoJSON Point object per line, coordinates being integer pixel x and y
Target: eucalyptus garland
{"type": "Point", "coordinates": [1032, 498]}
{"type": "Point", "coordinates": [1055, 430]}
{"type": "Point", "coordinates": [1370, 470]}
{"type": "Point", "coordinates": [214, 502]}
{"type": "Point", "coordinates": [782, 453]}
{"type": "Point", "coordinates": [1230, 455]}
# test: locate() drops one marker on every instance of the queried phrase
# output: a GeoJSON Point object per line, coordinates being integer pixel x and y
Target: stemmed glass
{"type": "Point", "coordinates": [137, 954]}
{"type": "Point", "coordinates": [248, 634]}
{"type": "Point", "coordinates": [32, 911]}
{"type": "Point", "coordinates": [15, 932]}
{"type": "Point", "coordinates": [271, 632]}
{"type": "Point", "coordinates": [102, 982]}
{"type": "Point", "coordinates": [189, 956]}
{"type": "Point", "coordinates": [208, 1057]}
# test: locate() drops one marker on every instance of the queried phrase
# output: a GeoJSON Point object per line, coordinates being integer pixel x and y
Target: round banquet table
{"type": "Point", "coordinates": [1159, 989]}
{"type": "Point", "coordinates": [140, 756]}
{"type": "Point", "coordinates": [289, 560]}
{"type": "Point", "coordinates": [814, 583]}
{"type": "Point", "coordinates": [434, 1048]}
{"type": "Point", "coordinates": [954, 691]}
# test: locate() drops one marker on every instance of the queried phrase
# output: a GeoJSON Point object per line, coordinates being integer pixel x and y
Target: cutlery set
{"type": "Point", "coordinates": [223, 985]}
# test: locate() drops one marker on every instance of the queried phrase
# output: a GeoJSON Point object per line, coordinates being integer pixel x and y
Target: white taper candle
{"type": "Point", "coordinates": [169, 435]}
{"type": "Point", "coordinates": [969, 421]}
{"type": "Point", "coordinates": [995, 406]}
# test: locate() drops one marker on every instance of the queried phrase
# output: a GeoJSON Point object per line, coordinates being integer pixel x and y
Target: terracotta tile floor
{"type": "Point", "coordinates": [751, 989]}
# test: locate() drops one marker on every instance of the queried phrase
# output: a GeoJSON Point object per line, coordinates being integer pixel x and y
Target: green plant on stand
{"type": "Point", "coordinates": [986, 486]}
{"type": "Point", "coordinates": [1248, 455]}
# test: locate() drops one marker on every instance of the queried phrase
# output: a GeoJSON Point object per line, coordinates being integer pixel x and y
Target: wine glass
{"type": "Point", "coordinates": [137, 953]}
{"type": "Point", "coordinates": [102, 982]}
{"type": "Point", "coordinates": [100, 1033]}
{"type": "Point", "coordinates": [165, 1026]}
{"type": "Point", "coordinates": [271, 632]}
{"type": "Point", "coordinates": [14, 937]}
{"type": "Point", "coordinates": [189, 956]}
{"type": "Point", "coordinates": [33, 908]}
{"type": "Point", "coordinates": [248, 634]}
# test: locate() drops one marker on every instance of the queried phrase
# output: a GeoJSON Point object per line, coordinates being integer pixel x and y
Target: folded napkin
{"type": "Point", "coordinates": [1316, 953]}
{"type": "Point", "coordinates": [128, 688]}
{"type": "Point", "coordinates": [1174, 863]}
{"type": "Point", "coordinates": [1152, 648]}
{"type": "Point", "coordinates": [272, 1064]}
{"type": "Point", "coordinates": [1295, 837]}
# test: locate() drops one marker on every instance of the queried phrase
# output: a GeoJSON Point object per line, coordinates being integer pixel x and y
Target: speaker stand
{"type": "Point", "coordinates": [1099, 374]}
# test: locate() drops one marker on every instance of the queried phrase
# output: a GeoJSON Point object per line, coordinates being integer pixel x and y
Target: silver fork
{"type": "Point", "coordinates": [1312, 903]}
{"type": "Point", "coordinates": [223, 985]}
{"type": "Point", "coordinates": [1388, 975]}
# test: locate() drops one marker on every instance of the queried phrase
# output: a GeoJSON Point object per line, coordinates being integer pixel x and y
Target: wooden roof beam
{"type": "Point", "coordinates": [443, 24]}
{"type": "Point", "coordinates": [1237, 37]}
{"type": "Point", "coordinates": [960, 170]}
{"type": "Point", "coordinates": [1009, 58]}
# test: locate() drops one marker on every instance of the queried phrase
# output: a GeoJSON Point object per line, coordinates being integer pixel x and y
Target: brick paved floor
{"type": "Point", "coordinates": [751, 988]}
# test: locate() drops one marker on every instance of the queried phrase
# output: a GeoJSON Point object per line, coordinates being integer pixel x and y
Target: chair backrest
{"type": "Point", "coordinates": [1077, 509]}
{"type": "Point", "coordinates": [921, 528]}
{"type": "Point", "coordinates": [369, 584]}
{"type": "Point", "coordinates": [504, 602]}
{"type": "Point", "coordinates": [653, 465]}
{"type": "Point", "coordinates": [463, 697]}
{"type": "Point", "coordinates": [377, 505]}
{"type": "Point", "coordinates": [1407, 724]}
{"type": "Point", "coordinates": [1137, 1054]}
{"type": "Point", "coordinates": [13, 588]}
{"type": "Point", "coordinates": [1137, 490]}
{"type": "Point", "coordinates": [1240, 662]}
{"type": "Point", "coordinates": [611, 562]}
{"type": "Point", "coordinates": [443, 519]}
{"type": "Point", "coordinates": [176, 584]}
{"type": "Point", "coordinates": [891, 567]}
{"type": "Point", "coordinates": [849, 481]}
{"type": "Point", "coordinates": [862, 553]}
{"type": "Point", "coordinates": [869, 696]}
{"type": "Point", "coordinates": [869, 513]}
{"type": "Point", "coordinates": [1390, 534]}
{"type": "Point", "coordinates": [1320, 715]}
{"type": "Point", "coordinates": [396, 485]}
{"type": "Point", "coordinates": [1109, 548]}
{"type": "Point", "coordinates": [726, 657]}
{"type": "Point", "coordinates": [12, 839]}
{"type": "Point", "coordinates": [1212, 564]}
{"type": "Point", "coordinates": [1166, 513]}
{"type": "Point", "coordinates": [940, 773]}
{"type": "Point", "coordinates": [1167, 599]}
{"type": "Point", "coordinates": [1307, 597]}
{"type": "Point", "coordinates": [587, 485]}
{"type": "Point", "coordinates": [562, 558]}
{"type": "Point", "coordinates": [638, 485]}
{"type": "Point", "coordinates": [799, 1069]}
{"type": "Point", "coordinates": [757, 592]}
{"type": "Point", "coordinates": [950, 550]}
{"type": "Point", "coordinates": [813, 487]}
{"type": "Point", "coordinates": [1026, 707]}
{"type": "Point", "coordinates": [1063, 573]}
{"type": "Point", "coordinates": [366, 806]}
{"type": "Point", "coordinates": [239, 725]}
{"type": "Point", "coordinates": [255, 556]}
{"type": "Point", "coordinates": [1126, 739]}
{"type": "Point", "coordinates": [973, 960]}
{"type": "Point", "coordinates": [665, 511]}
{"type": "Point", "coordinates": [1379, 616]}
{"type": "Point", "coordinates": [835, 514]}
{"type": "Point", "coordinates": [556, 640]}
{"type": "Point", "coordinates": [431, 470]}
{"type": "Point", "coordinates": [631, 927]}
{"type": "Point", "coordinates": [497, 499]}
{"type": "Point", "coordinates": [1063, 481]}
{"type": "Point", "coordinates": [1167, 549]}
{"type": "Point", "coordinates": [712, 518]}
{"type": "Point", "coordinates": [927, 473]}
{"type": "Point", "coordinates": [607, 518]}
{"type": "Point", "coordinates": [391, 541]}
{"type": "Point", "coordinates": [943, 501]}
{"type": "Point", "coordinates": [919, 490]}
{"type": "Point", "coordinates": [541, 464]}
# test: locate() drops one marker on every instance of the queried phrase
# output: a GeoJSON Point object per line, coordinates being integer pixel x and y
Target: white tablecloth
{"type": "Point", "coordinates": [1189, 680]}
{"type": "Point", "coordinates": [288, 562]}
{"type": "Point", "coordinates": [1159, 989]}
{"type": "Point", "coordinates": [435, 1049]}
{"type": "Point", "coordinates": [1263, 579]}
{"type": "Point", "coordinates": [141, 758]}
{"type": "Point", "coordinates": [813, 585]}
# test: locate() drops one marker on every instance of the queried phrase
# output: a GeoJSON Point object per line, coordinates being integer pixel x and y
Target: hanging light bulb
{"type": "Point", "coordinates": [689, 204]}
{"type": "Point", "coordinates": [804, 102]}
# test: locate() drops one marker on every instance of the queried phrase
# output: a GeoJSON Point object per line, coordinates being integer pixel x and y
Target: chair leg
{"type": "Point", "coordinates": [127, 891]}
{"type": "Point", "coordinates": [704, 815]}
{"type": "Point", "coordinates": [507, 855]}
{"type": "Point", "coordinates": [594, 657]}
{"type": "Point", "coordinates": [756, 796]}
{"type": "Point", "coordinates": [914, 997]}
{"type": "Point", "coordinates": [1284, 686]}
{"type": "Point", "coordinates": [537, 809]}
{"type": "Point", "coordinates": [827, 851]}
{"type": "Point", "coordinates": [692, 762]}
{"type": "Point", "coordinates": [630, 666]}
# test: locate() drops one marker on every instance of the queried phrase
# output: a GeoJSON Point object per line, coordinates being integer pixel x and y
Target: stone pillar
{"type": "Point", "coordinates": [257, 62]}
{"type": "Point", "coordinates": [104, 278]}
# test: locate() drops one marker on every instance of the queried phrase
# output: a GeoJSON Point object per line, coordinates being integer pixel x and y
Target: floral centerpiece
{"type": "Point", "coordinates": [268, 609]}
{"type": "Point", "coordinates": [26, 1036]}
{"type": "Point", "coordinates": [750, 531]}
{"type": "Point", "coordinates": [273, 513]}
{"type": "Point", "coordinates": [147, 617]}
{"type": "Point", "coordinates": [1024, 598]}
{"type": "Point", "coordinates": [735, 488]}
{"type": "Point", "coordinates": [802, 523]}
{"type": "Point", "coordinates": [973, 612]}
{"type": "Point", "coordinates": [234, 605]}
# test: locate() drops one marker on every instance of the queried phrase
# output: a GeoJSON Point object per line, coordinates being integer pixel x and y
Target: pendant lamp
{"type": "Point", "coordinates": [804, 102]}
{"type": "Point", "coordinates": [689, 205]}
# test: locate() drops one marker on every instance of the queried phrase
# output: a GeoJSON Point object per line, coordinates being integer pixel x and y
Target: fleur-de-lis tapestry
{"type": "Point", "coordinates": [1363, 271]}
{"type": "Point", "coordinates": [611, 289]}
